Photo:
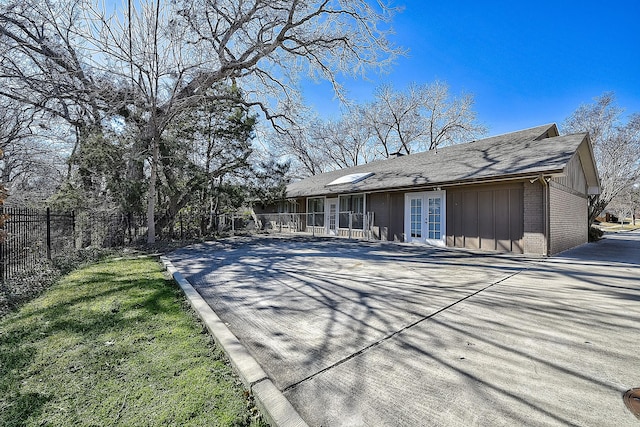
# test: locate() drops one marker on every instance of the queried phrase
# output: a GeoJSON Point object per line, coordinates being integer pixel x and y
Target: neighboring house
{"type": "Point", "coordinates": [607, 217]}
{"type": "Point", "coordinates": [522, 192]}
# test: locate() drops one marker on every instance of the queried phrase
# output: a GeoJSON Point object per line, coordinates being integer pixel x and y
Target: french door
{"type": "Point", "coordinates": [425, 217]}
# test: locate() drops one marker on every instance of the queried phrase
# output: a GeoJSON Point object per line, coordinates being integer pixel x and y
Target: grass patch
{"type": "Point", "coordinates": [616, 226]}
{"type": "Point", "coordinates": [25, 285]}
{"type": "Point", "coordinates": [115, 344]}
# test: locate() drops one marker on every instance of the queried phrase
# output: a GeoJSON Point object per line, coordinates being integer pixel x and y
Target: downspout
{"type": "Point", "coordinates": [547, 214]}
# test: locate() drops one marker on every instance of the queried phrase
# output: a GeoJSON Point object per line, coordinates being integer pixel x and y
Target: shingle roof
{"type": "Point", "coordinates": [527, 152]}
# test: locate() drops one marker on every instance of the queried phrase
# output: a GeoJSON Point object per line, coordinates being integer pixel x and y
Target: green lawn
{"type": "Point", "coordinates": [115, 344]}
{"type": "Point", "coordinates": [616, 226]}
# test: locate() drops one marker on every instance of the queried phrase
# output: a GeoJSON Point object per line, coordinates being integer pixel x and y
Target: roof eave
{"type": "Point", "coordinates": [454, 183]}
{"type": "Point", "coordinates": [587, 158]}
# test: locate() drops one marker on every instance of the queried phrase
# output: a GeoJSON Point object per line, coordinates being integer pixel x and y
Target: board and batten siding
{"type": "Point", "coordinates": [486, 217]}
{"type": "Point", "coordinates": [388, 210]}
{"type": "Point", "coordinates": [574, 177]}
{"type": "Point", "coordinates": [379, 204]}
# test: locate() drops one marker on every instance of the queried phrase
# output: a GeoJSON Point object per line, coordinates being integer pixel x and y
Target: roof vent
{"type": "Point", "coordinates": [352, 178]}
{"type": "Point", "coordinates": [396, 155]}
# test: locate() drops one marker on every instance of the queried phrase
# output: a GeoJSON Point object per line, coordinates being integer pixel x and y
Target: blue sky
{"type": "Point", "coordinates": [526, 63]}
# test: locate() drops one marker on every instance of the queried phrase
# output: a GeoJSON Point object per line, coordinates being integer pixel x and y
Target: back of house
{"type": "Point", "coordinates": [521, 192]}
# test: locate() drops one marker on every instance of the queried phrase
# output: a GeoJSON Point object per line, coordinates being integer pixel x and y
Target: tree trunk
{"type": "Point", "coordinates": [151, 203]}
{"type": "Point", "coordinates": [596, 207]}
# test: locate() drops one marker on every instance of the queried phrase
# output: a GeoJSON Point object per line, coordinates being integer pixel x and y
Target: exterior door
{"type": "Point", "coordinates": [413, 226]}
{"type": "Point", "coordinates": [425, 217]}
{"type": "Point", "coordinates": [434, 220]}
{"type": "Point", "coordinates": [332, 217]}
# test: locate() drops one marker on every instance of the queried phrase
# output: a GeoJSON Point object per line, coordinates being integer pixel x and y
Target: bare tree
{"type": "Point", "coordinates": [319, 146]}
{"type": "Point", "coordinates": [298, 145]}
{"type": "Point", "coordinates": [616, 147]}
{"type": "Point", "coordinates": [14, 132]}
{"type": "Point", "coordinates": [424, 117]}
{"type": "Point", "coordinates": [341, 143]}
{"type": "Point", "coordinates": [634, 201]}
{"type": "Point", "coordinates": [395, 120]}
{"type": "Point", "coordinates": [43, 66]}
{"type": "Point", "coordinates": [155, 59]}
{"type": "Point", "coordinates": [30, 165]}
{"type": "Point", "coordinates": [357, 136]}
{"type": "Point", "coordinates": [626, 204]}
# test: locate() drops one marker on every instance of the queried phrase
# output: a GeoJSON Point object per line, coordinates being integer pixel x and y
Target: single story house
{"type": "Point", "coordinates": [522, 192]}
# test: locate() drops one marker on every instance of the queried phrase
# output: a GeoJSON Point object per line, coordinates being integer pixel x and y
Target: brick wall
{"type": "Point", "coordinates": [534, 242]}
{"type": "Point", "coordinates": [568, 218]}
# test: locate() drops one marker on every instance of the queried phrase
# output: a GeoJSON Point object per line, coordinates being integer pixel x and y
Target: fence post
{"type": "Point", "coordinates": [365, 225]}
{"type": "Point", "coordinates": [48, 233]}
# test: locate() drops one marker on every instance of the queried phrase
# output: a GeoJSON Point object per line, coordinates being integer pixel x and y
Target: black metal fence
{"type": "Point", "coordinates": [33, 236]}
{"type": "Point", "coordinates": [108, 230]}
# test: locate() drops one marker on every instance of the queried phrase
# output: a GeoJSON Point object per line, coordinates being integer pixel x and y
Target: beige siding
{"type": "Point", "coordinates": [574, 178]}
{"type": "Point", "coordinates": [568, 208]}
{"type": "Point", "coordinates": [568, 218]}
{"type": "Point", "coordinates": [534, 223]}
{"type": "Point", "coordinates": [355, 234]}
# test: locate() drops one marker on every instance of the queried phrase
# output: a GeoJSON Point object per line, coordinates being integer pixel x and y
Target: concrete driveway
{"type": "Point", "coordinates": [357, 333]}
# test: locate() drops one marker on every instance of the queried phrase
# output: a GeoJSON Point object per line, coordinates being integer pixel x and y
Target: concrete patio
{"type": "Point", "coordinates": [357, 333]}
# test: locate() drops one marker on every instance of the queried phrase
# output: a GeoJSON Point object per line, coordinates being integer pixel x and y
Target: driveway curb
{"type": "Point", "coordinates": [275, 407]}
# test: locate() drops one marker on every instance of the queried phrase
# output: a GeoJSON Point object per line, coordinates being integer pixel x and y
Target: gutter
{"type": "Point", "coordinates": [429, 186]}
{"type": "Point", "coordinates": [547, 213]}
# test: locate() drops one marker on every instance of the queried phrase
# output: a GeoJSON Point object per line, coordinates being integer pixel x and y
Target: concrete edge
{"type": "Point", "coordinates": [275, 407]}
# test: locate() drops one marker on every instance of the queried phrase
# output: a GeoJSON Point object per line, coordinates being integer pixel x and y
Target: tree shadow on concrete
{"type": "Point", "coordinates": [502, 337]}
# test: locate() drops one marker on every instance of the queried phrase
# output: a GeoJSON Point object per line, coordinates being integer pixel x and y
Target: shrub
{"type": "Point", "coordinates": [71, 260]}
{"type": "Point", "coordinates": [28, 284]}
{"type": "Point", "coordinates": [595, 234]}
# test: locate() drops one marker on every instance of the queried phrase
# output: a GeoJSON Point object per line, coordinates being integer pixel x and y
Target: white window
{"type": "Point", "coordinates": [353, 205]}
{"type": "Point", "coordinates": [416, 218]}
{"type": "Point", "coordinates": [315, 212]}
{"type": "Point", "coordinates": [434, 217]}
{"type": "Point", "coordinates": [287, 206]}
